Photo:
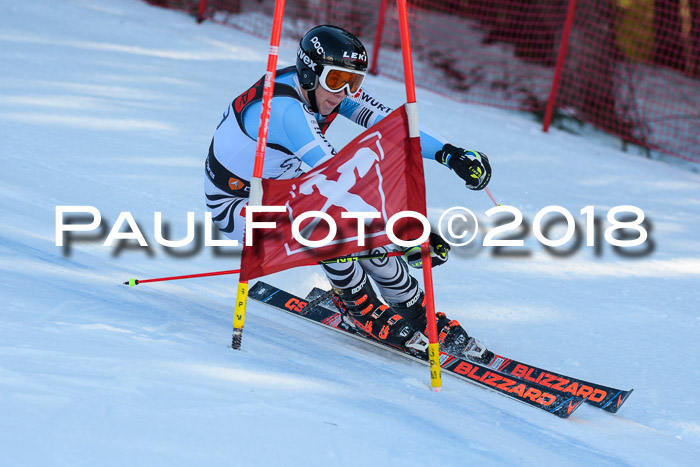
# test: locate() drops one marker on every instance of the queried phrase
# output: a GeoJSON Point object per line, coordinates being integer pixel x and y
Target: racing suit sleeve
{"type": "Point", "coordinates": [365, 110]}
{"type": "Point", "coordinates": [295, 129]}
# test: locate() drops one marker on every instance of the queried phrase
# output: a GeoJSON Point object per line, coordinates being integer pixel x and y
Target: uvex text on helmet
{"type": "Point", "coordinates": [328, 45]}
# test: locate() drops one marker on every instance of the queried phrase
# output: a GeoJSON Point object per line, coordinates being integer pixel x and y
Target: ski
{"type": "Point", "coordinates": [315, 309]}
{"type": "Point", "coordinates": [599, 396]}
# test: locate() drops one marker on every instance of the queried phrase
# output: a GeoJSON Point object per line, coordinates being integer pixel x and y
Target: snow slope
{"type": "Point", "coordinates": [112, 104]}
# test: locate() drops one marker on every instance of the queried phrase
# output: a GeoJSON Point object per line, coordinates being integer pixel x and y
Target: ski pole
{"type": "Point", "coordinates": [488, 192]}
{"type": "Point", "coordinates": [342, 259]}
{"type": "Point", "coordinates": [345, 259]}
{"type": "Point", "coordinates": [133, 282]}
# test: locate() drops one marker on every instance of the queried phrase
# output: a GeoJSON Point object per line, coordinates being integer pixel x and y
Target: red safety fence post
{"type": "Point", "coordinates": [378, 37]}
{"type": "Point", "coordinates": [561, 57]}
{"type": "Point", "coordinates": [201, 10]}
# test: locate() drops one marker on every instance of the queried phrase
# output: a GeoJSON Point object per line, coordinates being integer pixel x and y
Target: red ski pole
{"type": "Point", "coordinates": [342, 259]}
{"type": "Point", "coordinates": [133, 282]}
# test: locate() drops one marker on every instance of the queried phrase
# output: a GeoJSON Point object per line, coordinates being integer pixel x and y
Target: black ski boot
{"type": "Point", "coordinates": [361, 306]}
{"type": "Point", "coordinates": [454, 340]}
{"type": "Point", "coordinates": [413, 311]}
{"type": "Point", "coordinates": [452, 337]}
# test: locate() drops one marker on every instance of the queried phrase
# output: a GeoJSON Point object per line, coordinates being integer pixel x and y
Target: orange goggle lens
{"type": "Point", "coordinates": [336, 80]}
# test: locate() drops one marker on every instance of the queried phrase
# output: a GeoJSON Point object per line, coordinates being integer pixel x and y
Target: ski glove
{"type": "Point", "coordinates": [472, 166]}
{"type": "Point", "coordinates": [439, 249]}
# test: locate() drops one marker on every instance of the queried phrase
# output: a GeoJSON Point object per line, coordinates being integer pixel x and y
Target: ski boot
{"type": "Point", "coordinates": [452, 337]}
{"type": "Point", "coordinates": [362, 309]}
{"type": "Point", "coordinates": [454, 340]}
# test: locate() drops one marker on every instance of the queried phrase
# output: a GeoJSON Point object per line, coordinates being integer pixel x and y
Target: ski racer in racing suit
{"type": "Point", "coordinates": [324, 84]}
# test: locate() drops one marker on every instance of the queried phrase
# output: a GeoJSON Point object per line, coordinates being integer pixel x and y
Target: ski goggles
{"type": "Point", "coordinates": [335, 79]}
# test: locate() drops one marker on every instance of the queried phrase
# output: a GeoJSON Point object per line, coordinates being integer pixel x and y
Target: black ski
{"type": "Point", "coordinates": [603, 397]}
{"type": "Point", "coordinates": [597, 395]}
{"type": "Point", "coordinates": [315, 308]}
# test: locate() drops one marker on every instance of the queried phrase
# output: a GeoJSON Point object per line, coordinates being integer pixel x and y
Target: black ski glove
{"type": "Point", "coordinates": [472, 166]}
{"type": "Point", "coordinates": [439, 250]}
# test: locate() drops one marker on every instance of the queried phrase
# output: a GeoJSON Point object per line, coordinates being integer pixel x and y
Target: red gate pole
{"type": "Point", "coordinates": [255, 181]}
{"type": "Point", "coordinates": [414, 135]}
{"type": "Point", "coordinates": [561, 57]}
{"type": "Point", "coordinates": [378, 37]}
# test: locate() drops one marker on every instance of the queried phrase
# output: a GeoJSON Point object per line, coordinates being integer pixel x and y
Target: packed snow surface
{"type": "Point", "coordinates": [112, 104]}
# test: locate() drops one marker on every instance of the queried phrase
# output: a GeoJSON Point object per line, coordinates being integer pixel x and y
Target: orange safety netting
{"type": "Point", "coordinates": [632, 67]}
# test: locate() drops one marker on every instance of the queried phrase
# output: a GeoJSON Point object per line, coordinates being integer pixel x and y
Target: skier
{"type": "Point", "coordinates": [326, 82]}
